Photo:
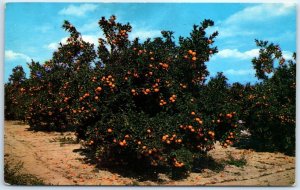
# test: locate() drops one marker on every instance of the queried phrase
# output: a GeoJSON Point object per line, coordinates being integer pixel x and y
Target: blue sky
{"type": "Point", "coordinates": [33, 30]}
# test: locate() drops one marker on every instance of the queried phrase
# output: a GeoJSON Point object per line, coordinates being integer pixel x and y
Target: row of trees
{"type": "Point", "coordinates": [148, 102]}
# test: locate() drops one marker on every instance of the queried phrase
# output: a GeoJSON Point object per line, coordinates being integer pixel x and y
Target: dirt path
{"type": "Point", "coordinates": [58, 164]}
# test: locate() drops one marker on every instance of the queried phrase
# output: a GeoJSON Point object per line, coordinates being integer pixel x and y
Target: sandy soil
{"type": "Point", "coordinates": [58, 164]}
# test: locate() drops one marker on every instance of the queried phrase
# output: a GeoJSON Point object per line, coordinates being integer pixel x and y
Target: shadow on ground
{"type": "Point", "coordinates": [247, 142]}
{"type": "Point", "coordinates": [140, 171]}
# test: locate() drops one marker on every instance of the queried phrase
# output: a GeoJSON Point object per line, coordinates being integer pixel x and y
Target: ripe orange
{"type": "Point", "coordinates": [229, 115]}
{"type": "Point", "coordinates": [98, 88]}
{"type": "Point", "coordinates": [109, 130]}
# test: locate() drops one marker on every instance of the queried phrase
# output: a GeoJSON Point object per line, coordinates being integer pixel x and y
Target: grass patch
{"type": "Point", "coordinates": [134, 183]}
{"type": "Point", "coordinates": [13, 176]}
{"type": "Point", "coordinates": [64, 140]}
{"type": "Point", "coordinates": [208, 162]}
{"type": "Point", "coordinates": [238, 162]}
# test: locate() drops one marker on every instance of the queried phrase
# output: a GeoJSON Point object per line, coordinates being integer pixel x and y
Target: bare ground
{"type": "Point", "coordinates": [58, 164]}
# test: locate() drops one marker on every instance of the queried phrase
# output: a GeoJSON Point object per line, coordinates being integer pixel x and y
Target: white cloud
{"type": "Point", "coordinates": [234, 25]}
{"type": "Point", "coordinates": [11, 55]}
{"type": "Point", "coordinates": [52, 46]}
{"type": "Point", "coordinates": [260, 12]}
{"type": "Point", "coordinates": [88, 27]}
{"type": "Point", "coordinates": [55, 45]}
{"type": "Point", "coordinates": [239, 72]}
{"type": "Point", "coordinates": [234, 31]}
{"type": "Point", "coordinates": [80, 10]}
{"type": "Point", "coordinates": [93, 39]}
{"type": "Point", "coordinates": [235, 53]}
{"type": "Point", "coordinates": [287, 55]}
{"type": "Point", "coordinates": [143, 34]}
{"type": "Point", "coordinates": [44, 28]}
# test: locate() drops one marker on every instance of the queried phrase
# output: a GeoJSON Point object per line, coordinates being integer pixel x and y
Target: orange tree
{"type": "Point", "coordinates": [15, 90]}
{"type": "Point", "coordinates": [271, 110]}
{"type": "Point", "coordinates": [133, 102]}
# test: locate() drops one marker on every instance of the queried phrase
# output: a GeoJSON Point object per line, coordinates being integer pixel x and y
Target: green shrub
{"type": "Point", "coordinates": [13, 176]}
{"type": "Point", "coordinates": [272, 113]}
{"type": "Point", "coordinates": [14, 95]}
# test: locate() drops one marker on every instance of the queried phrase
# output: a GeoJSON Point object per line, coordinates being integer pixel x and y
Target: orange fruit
{"type": "Point", "coordinates": [109, 130]}
{"type": "Point", "coordinates": [98, 88]}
